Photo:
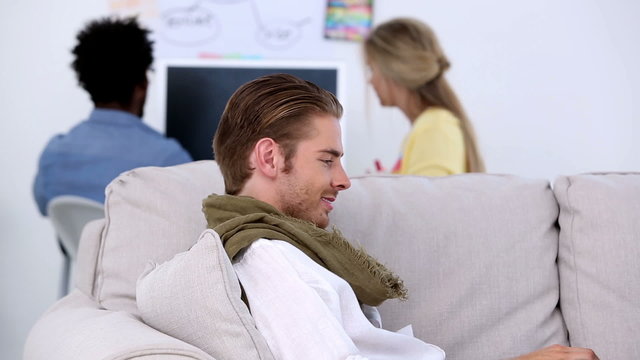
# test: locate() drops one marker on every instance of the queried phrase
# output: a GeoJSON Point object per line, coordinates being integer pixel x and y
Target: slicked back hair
{"type": "Point", "coordinates": [278, 106]}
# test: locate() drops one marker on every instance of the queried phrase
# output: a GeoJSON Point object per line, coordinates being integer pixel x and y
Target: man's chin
{"type": "Point", "coordinates": [322, 223]}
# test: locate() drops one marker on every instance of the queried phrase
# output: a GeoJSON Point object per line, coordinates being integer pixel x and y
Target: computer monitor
{"type": "Point", "coordinates": [194, 92]}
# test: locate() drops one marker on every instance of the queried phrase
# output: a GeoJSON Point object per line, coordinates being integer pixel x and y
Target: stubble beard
{"type": "Point", "coordinates": [296, 201]}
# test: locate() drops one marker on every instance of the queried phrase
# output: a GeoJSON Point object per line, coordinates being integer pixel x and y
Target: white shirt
{"type": "Point", "coordinates": [305, 311]}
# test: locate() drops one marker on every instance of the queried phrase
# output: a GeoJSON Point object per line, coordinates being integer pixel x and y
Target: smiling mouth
{"type": "Point", "coordinates": [327, 201]}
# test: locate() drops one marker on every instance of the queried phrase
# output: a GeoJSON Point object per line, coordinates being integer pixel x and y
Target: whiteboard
{"type": "Point", "coordinates": [233, 29]}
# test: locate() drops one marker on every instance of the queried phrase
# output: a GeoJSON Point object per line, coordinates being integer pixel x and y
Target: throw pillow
{"type": "Point", "coordinates": [195, 297]}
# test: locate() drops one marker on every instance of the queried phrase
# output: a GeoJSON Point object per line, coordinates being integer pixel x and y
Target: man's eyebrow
{"type": "Point", "coordinates": [332, 152]}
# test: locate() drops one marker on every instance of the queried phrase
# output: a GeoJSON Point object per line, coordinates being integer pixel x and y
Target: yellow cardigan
{"type": "Point", "coordinates": [434, 147]}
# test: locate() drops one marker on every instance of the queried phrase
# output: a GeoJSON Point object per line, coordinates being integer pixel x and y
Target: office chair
{"type": "Point", "coordinates": [69, 214]}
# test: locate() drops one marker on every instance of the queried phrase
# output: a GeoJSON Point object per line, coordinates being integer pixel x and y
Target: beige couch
{"type": "Point", "coordinates": [496, 266]}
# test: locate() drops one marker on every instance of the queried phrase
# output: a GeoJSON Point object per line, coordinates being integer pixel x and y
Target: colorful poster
{"type": "Point", "coordinates": [348, 19]}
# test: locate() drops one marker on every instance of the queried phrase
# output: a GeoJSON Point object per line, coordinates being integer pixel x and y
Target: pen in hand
{"type": "Point", "coordinates": [378, 164]}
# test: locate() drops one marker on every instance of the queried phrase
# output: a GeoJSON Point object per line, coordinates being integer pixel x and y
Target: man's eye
{"type": "Point", "coordinates": [327, 162]}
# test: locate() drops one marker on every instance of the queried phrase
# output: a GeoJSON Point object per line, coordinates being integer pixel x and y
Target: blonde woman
{"type": "Point", "coordinates": [408, 69]}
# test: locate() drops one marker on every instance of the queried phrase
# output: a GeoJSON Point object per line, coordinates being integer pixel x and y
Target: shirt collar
{"type": "Point", "coordinates": [113, 116]}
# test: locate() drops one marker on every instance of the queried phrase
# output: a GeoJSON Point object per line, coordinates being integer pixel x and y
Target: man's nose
{"type": "Point", "coordinates": [341, 179]}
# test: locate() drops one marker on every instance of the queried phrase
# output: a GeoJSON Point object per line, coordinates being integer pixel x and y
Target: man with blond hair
{"type": "Point", "coordinates": [312, 294]}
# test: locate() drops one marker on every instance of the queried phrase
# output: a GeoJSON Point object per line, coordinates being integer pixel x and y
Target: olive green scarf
{"type": "Point", "coordinates": [240, 220]}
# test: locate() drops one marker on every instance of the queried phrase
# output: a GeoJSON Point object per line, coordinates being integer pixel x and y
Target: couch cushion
{"type": "Point", "coordinates": [477, 253]}
{"type": "Point", "coordinates": [151, 214]}
{"type": "Point", "coordinates": [599, 261]}
{"type": "Point", "coordinates": [195, 297]}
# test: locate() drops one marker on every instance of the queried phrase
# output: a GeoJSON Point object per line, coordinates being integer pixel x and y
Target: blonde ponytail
{"type": "Point", "coordinates": [407, 51]}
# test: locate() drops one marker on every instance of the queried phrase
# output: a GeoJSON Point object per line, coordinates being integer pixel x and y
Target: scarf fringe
{"type": "Point", "coordinates": [394, 285]}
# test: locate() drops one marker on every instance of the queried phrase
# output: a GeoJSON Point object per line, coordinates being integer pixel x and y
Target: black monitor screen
{"type": "Point", "coordinates": [196, 97]}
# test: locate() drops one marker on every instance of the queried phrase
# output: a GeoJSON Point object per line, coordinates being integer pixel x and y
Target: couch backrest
{"type": "Point", "coordinates": [599, 260]}
{"type": "Point", "coordinates": [151, 214]}
{"type": "Point", "coordinates": [477, 253]}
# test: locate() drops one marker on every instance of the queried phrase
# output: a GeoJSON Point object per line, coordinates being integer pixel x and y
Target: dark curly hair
{"type": "Point", "coordinates": [112, 57]}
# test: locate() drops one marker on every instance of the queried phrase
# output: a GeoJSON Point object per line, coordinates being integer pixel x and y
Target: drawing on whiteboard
{"type": "Point", "coordinates": [280, 34]}
{"type": "Point", "coordinates": [253, 28]}
{"type": "Point", "coordinates": [190, 26]}
{"type": "Point", "coordinates": [197, 25]}
{"type": "Point", "coordinates": [277, 34]}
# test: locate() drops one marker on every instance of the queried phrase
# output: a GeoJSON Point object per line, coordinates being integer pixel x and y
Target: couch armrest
{"type": "Point", "coordinates": [76, 328]}
{"type": "Point", "coordinates": [87, 258]}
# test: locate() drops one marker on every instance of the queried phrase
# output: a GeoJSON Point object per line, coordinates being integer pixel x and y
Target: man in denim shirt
{"type": "Point", "coordinates": [112, 58]}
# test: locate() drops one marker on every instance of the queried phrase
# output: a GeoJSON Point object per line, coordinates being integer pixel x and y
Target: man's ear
{"type": "Point", "coordinates": [267, 157]}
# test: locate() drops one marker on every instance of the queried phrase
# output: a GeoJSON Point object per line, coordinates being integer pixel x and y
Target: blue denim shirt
{"type": "Point", "coordinates": [84, 161]}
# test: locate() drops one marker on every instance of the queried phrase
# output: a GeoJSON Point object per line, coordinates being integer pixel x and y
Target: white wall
{"type": "Point", "coordinates": [38, 98]}
{"type": "Point", "coordinates": [551, 86]}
